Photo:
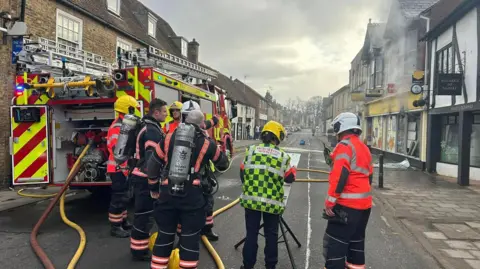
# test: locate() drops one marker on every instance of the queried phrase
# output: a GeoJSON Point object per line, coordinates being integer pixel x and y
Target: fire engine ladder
{"type": "Point", "coordinates": [165, 61]}
{"type": "Point", "coordinates": [44, 55]}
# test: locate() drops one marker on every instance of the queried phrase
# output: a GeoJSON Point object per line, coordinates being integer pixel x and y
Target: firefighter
{"type": "Point", "coordinates": [149, 135]}
{"type": "Point", "coordinates": [178, 187]}
{"type": "Point", "coordinates": [263, 172]}
{"type": "Point", "coordinates": [175, 113]}
{"type": "Point", "coordinates": [117, 212]}
{"type": "Point", "coordinates": [348, 195]}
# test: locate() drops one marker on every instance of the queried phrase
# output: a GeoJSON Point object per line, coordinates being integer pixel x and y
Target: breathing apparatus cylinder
{"type": "Point", "coordinates": [125, 147]}
{"type": "Point", "coordinates": [180, 163]}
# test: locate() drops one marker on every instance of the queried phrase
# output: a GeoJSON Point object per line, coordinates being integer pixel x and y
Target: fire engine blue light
{"type": "Point", "coordinates": [19, 88]}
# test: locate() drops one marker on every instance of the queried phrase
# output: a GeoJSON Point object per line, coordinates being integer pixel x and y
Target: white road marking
{"type": "Point", "coordinates": [309, 219]}
{"type": "Point", "coordinates": [386, 222]}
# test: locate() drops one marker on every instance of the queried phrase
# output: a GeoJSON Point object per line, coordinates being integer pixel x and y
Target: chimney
{"type": "Point", "coordinates": [231, 78]}
{"type": "Point", "coordinates": [193, 51]}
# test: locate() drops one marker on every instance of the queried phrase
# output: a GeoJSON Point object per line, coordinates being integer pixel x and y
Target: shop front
{"type": "Point", "coordinates": [394, 127]}
{"type": "Point", "coordinates": [454, 142]}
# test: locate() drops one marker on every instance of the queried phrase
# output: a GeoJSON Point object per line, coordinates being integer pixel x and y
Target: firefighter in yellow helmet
{"type": "Point", "coordinates": [117, 212]}
{"type": "Point", "coordinates": [175, 112]}
{"type": "Point", "coordinates": [263, 172]}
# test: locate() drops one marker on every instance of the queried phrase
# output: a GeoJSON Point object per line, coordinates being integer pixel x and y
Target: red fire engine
{"type": "Point", "coordinates": [64, 97]}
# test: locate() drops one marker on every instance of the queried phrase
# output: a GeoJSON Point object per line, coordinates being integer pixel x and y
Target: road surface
{"type": "Point", "coordinates": [385, 248]}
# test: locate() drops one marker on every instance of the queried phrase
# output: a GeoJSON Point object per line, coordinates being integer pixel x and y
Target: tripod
{"type": "Point", "coordinates": [283, 226]}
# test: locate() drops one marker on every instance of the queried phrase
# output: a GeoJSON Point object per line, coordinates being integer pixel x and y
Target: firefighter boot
{"type": "Point", "coordinates": [118, 231]}
{"type": "Point", "coordinates": [207, 231]}
{"type": "Point", "coordinates": [126, 225]}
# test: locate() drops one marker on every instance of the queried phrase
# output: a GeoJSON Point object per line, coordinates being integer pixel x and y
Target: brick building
{"type": "Point", "coordinates": [84, 29]}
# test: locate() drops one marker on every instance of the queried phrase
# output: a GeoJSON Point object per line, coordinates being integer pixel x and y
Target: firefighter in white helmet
{"type": "Point", "coordinates": [178, 187]}
{"type": "Point", "coordinates": [349, 201]}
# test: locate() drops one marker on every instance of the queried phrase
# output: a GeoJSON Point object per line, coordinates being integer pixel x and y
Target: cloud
{"type": "Point", "coordinates": [299, 47]}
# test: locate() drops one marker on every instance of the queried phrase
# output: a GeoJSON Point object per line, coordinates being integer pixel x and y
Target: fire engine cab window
{"type": "Point", "coordinates": [207, 106]}
{"type": "Point", "coordinates": [450, 139]}
{"type": "Point", "coordinates": [69, 30]}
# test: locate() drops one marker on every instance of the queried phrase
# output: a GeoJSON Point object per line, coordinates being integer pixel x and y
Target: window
{"type": "Point", "coordinates": [450, 138]}
{"type": "Point", "coordinates": [184, 47]}
{"type": "Point", "coordinates": [114, 6]}
{"type": "Point", "coordinates": [446, 60]}
{"type": "Point", "coordinates": [378, 72]}
{"type": "Point", "coordinates": [152, 25]}
{"type": "Point", "coordinates": [475, 142]}
{"type": "Point", "coordinates": [123, 44]}
{"type": "Point", "coordinates": [69, 30]}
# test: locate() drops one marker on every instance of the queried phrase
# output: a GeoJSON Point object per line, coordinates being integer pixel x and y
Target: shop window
{"type": "Point", "coordinates": [391, 133]}
{"type": "Point", "coordinates": [401, 133]}
{"type": "Point", "coordinates": [475, 142]}
{"type": "Point", "coordinates": [412, 134]}
{"type": "Point", "coordinates": [450, 139]}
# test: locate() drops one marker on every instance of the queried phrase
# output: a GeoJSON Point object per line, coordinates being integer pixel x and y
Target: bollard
{"type": "Point", "coordinates": [380, 171]}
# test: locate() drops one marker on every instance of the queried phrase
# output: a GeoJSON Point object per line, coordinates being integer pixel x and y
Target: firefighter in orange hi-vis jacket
{"type": "Point", "coordinates": [175, 113]}
{"type": "Point", "coordinates": [117, 212]}
{"type": "Point", "coordinates": [349, 201]}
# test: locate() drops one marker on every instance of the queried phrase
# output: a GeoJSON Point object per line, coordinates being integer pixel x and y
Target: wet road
{"type": "Point", "coordinates": [386, 248]}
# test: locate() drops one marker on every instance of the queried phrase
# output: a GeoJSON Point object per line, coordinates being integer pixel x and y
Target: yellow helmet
{"type": "Point", "coordinates": [276, 129]}
{"type": "Point", "coordinates": [176, 105]}
{"type": "Point", "coordinates": [124, 103]}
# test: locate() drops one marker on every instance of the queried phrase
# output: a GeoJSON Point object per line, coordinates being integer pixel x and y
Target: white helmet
{"type": "Point", "coordinates": [189, 106]}
{"type": "Point", "coordinates": [346, 121]}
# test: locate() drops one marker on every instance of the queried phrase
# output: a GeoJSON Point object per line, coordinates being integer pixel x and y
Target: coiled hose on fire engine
{"type": "Point", "coordinates": [47, 263]}
{"type": "Point", "coordinates": [207, 243]}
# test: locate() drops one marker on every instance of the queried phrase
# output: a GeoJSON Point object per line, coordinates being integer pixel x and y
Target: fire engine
{"type": "Point", "coordinates": [63, 97]}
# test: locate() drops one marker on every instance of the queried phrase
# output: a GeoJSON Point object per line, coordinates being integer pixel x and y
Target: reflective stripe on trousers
{"type": "Point", "coordinates": [262, 200]}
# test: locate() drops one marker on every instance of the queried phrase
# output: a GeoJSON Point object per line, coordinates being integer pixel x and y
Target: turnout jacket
{"type": "Point", "coordinates": [148, 137]}
{"type": "Point", "coordinates": [112, 138]}
{"type": "Point", "coordinates": [158, 166]}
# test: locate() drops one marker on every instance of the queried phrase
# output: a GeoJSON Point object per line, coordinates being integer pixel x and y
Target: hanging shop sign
{"type": "Point", "coordinates": [374, 92]}
{"type": "Point", "coordinates": [449, 84]}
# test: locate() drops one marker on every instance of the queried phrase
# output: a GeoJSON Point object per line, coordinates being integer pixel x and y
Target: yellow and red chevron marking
{"type": "Point", "coordinates": [30, 158]}
{"type": "Point", "coordinates": [33, 99]}
{"type": "Point", "coordinates": [145, 85]}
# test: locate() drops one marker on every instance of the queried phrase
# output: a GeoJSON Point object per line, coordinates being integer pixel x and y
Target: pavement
{"type": "Point", "coordinates": [387, 244]}
{"type": "Point", "coordinates": [443, 216]}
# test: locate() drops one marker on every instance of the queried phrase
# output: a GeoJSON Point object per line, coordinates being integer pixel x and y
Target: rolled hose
{"type": "Point", "coordinates": [47, 263]}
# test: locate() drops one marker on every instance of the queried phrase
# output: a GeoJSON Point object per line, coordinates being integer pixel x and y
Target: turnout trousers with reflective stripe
{"type": "Point", "coordinates": [270, 230]}
{"type": "Point", "coordinates": [142, 219]}
{"type": "Point", "coordinates": [167, 215]}
{"type": "Point", "coordinates": [117, 211]}
{"type": "Point", "coordinates": [209, 210]}
{"type": "Point", "coordinates": [346, 240]}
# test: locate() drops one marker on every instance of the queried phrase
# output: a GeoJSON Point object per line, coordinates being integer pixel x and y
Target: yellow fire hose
{"type": "Point", "coordinates": [31, 195]}
{"type": "Point", "coordinates": [312, 170]}
{"type": "Point", "coordinates": [81, 232]}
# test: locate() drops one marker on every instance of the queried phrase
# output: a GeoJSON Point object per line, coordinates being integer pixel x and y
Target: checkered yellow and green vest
{"type": "Point", "coordinates": [264, 169]}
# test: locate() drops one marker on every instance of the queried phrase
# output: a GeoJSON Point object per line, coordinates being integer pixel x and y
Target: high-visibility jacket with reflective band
{"type": "Point", "coordinates": [171, 126]}
{"type": "Point", "coordinates": [112, 137]}
{"type": "Point", "coordinates": [351, 175]}
{"type": "Point", "coordinates": [148, 137]}
{"type": "Point", "coordinates": [263, 172]}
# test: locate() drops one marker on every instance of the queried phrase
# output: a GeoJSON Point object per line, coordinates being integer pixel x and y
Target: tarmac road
{"type": "Point", "coordinates": [386, 248]}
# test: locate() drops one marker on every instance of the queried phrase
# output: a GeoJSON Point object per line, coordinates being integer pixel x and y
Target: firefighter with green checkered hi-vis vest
{"type": "Point", "coordinates": [264, 170]}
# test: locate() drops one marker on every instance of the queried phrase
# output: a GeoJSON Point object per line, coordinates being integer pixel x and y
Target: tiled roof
{"type": "Point", "coordinates": [412, 8]}
{"type": "Point", "coordinates": [232, 90]}
{"type": "Point", "coordinates": [251, 95]}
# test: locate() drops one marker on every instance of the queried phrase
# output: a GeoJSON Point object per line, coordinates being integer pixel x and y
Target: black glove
{"type": "Point", "coordinates": [340, 217]}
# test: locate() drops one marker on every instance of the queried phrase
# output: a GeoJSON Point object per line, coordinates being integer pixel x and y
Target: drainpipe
{"type": "Point", "coordinates": [427, 62]}
{"type": "Point", "coordinates": [22, 10]}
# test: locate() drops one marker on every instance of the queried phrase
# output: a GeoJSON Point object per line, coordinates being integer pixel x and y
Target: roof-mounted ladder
{"type": "Point", "coordinates": [44, 55]}
{"type": "Point", "coordinates": [169, 62]}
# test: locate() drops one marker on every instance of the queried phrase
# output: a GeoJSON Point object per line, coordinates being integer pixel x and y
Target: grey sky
{"type": "Point", "coordinates": [297, 47]}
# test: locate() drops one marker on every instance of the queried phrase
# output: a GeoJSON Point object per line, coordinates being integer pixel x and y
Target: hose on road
{"type": "Point", "coordinates": [31, 195]}
{"type": "Point", "coordinates": [311, 180]}
{"type": "Point", "coordinates": [47, 263]}
{"type": "Point", "coordinates": [206, 242]}
{"type": "Point", "coordinates": [313, 170]}
{"type": "Point", "coordinates": [83, 238]}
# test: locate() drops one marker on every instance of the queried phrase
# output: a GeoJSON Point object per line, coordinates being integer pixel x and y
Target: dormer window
{"type": "Point", "coordinates": [152, 25]}
{"type": "Point", "coordinates": [184, 47]}
{"type": "Point", "coordinates": [114, 6]}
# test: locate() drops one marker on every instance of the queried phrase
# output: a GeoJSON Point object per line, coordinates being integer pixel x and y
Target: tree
{"type": "Point", "coordinates": [269, 97]}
